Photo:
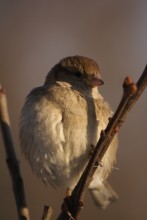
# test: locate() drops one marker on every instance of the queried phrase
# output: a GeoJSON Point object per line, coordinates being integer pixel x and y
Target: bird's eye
{"type": "Point", "coordinates": [77, 74]}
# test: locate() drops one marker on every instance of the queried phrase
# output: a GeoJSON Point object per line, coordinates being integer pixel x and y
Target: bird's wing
{"type": "Point", "coordinates": [41, 133]}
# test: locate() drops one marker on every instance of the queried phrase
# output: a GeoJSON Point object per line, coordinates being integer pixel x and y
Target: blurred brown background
{"type": "Point", "coordinates": [37, 34]}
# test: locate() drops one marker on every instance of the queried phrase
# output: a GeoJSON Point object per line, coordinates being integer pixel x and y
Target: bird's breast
{"type": "Point", "coordinates": [58, 126]}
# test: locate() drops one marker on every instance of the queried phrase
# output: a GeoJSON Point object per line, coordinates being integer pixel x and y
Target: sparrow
{"type": "Point", "coordinates": [59, 123]}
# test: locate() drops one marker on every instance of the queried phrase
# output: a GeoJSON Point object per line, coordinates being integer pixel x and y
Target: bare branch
{"type": "Point", "coordinates": [131, 93]}
{"type": "Point", "coordinates": [12, 162]}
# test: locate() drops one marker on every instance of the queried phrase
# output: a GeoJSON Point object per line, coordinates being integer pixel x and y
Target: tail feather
{"type": "Point", "coordinates": [103, 195]}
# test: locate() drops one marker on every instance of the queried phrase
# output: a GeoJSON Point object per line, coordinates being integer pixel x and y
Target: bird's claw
{"type": "Point", "coordinates": [98, 163]}
{"type": "Point", "coordinates": [66, 210]}
{"type": "Point", "coordinates": [92, 147]}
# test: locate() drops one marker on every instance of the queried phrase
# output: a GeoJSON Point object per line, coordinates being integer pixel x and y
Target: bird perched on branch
{"type": "Point", "coordinates": [61, 120]}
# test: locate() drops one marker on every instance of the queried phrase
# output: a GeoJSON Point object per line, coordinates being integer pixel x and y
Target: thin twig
{"type": "Point", "coordinates": [47, 213]}
{"type": "Point", "coordinates": [12, 162]}
{"type": "Point", "coordinates": [131, 94]}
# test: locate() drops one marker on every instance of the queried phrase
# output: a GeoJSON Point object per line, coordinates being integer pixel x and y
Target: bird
{"type": "Point", "coordinates": [61, 121]}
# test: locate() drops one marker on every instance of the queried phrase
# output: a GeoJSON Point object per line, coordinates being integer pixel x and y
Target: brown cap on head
{"type": "Point", "coordinates": [86, 66]}
{"type": "Point", "coordinates": [81, 64]}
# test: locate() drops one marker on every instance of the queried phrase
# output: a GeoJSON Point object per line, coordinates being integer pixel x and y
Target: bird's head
{"type": "Point", "coordinates": [76, 69]}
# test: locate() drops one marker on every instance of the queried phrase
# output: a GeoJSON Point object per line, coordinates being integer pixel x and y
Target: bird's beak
{"type": "Point", "coordinates": [96, 81]}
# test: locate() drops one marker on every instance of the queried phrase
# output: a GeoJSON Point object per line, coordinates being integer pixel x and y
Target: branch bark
{"type": "Point", "coordinates": [131, 93]}
{"type": "Point", "coordinates": [12, 162]}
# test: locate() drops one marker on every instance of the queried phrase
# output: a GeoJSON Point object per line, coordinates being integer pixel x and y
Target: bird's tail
{"type": "Point", "coordinates": [103, 195]}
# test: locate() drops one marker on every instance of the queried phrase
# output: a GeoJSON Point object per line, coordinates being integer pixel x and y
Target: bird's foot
{"type": "Point", "coordinates": [92, 147]}
{"type": "Point", "coordinates": [66, 204]}
{"type": "Point", "coordinates": [98, 163]}
{"type": "Point", "coordinates": [66, 210]}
